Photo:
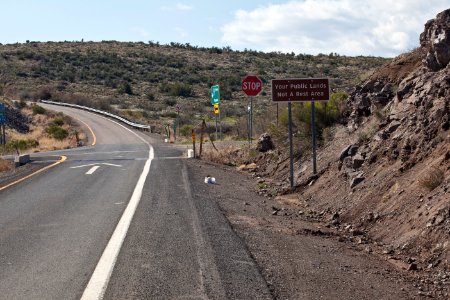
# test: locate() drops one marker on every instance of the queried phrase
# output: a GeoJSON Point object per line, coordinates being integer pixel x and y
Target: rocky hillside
{"type": "Point", "coordinates": [386, 175]}
{"type": "Point", "coordinates": [384, 178]}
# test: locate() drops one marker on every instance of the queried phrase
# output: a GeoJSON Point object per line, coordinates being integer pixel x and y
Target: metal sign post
{"type": "Point", "coordinates": [193, 141]}
{"type": "Point", "coordinates": [2, 124]}
{"type": "Point", "coordinates": [313, 129]}
{"type": "Point", "coordinates": [220, 127]}
{"type": "Point", "coordinates": [216, 113]}
{"type": "Point", "coordinates": [302, 90]}
{"type": "Point", "coordinates": [215, 100]}
{"type": "Point", "coordinates": [251, 86]}
{"type": "Point", "coordinates": [248, 124]}
{"type": "Point", "coordinates": [251, 120]}
{"type": "Point", "coordinates": [291, 149]}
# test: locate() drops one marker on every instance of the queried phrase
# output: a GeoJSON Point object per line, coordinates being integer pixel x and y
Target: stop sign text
{"type": "Point", "coordinates": [251, 85]}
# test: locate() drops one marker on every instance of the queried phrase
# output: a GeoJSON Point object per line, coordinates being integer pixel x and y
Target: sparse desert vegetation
{"type": "Point", "coordinates": [145, 82]}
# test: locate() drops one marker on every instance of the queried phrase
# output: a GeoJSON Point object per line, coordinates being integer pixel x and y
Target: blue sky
{"type": "Point", "coordinates": [349, 27]}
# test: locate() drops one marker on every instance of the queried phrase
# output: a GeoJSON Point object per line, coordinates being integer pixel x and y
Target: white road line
{"type": "Point", "coordinates": [100, 278]}
{"type": "Point", "coordinates": [88, 165]}
{"type": "Point", "coordinates": [92, 170]}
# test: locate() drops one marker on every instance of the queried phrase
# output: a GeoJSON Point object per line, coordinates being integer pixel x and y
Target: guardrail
{"type": "Point", "coordinates": [101, 112]}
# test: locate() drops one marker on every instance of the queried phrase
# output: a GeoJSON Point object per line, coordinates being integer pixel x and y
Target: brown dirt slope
{"type": "Point", "coordinates": [388, 172]}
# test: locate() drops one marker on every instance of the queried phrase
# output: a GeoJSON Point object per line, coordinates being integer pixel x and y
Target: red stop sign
{"type": "Point", "coordinates": [251, 85]}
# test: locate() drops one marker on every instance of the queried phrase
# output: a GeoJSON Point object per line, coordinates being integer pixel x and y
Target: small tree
{"type": "Point", "coordinates": [125, 88]}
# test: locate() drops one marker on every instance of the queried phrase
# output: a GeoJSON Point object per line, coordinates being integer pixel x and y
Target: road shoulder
{"type": "Point", "coordinates": [298, 258]}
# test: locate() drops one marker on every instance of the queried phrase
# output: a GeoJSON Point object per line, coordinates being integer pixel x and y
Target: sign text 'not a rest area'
{"type": "Point", "coordinates": [302, 89]}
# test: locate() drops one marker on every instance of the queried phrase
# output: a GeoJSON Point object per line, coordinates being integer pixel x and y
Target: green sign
{"type": "Point", "coordinates": [2, 114]}
{"type": "Point", "coordinates": [215, 94]}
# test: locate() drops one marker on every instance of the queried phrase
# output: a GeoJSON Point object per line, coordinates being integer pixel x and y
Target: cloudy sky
{"type": "Point", "coordinates": [349, 27]}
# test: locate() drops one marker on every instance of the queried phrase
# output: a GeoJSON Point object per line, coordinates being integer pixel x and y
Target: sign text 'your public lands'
{"type": "Point", "coordinates": [305, 89]}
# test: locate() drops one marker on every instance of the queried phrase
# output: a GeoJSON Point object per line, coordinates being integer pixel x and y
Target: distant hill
{"type": "Point", "coordinates": [149, 79]}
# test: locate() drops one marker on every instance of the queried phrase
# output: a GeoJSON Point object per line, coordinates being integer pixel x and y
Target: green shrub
{"type": "Point", "coordinates": [170, 102]}
{"type": "Point", "coordinates": [58, 122]}
{"type": "Point", "coordinates": [37, 110]}
{"type": "Point", "coordinates": [125, 88]}
{"type": "Point", "coordinates": [177, 89]}
{"type": "Point", "coordinates": [57, 132]}
{"type": "Point", "coordinates": [21, 144]}
{"type": "Point", "coordinates": [186, 130]}
{"type": "Point", "coordinates": [20, 104]}
{"type": "Point", "coordinates": [169, 114]}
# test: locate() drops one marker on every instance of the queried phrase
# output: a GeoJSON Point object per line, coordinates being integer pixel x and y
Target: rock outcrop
{"type": "Point", "coordinates": [265, 143]}
{"type": "Point", "coordinates": [436, 40]}
{"type": "Point", "coordinates": [392, 160]}
{"type": "Point", "coordinates": [412, 111]}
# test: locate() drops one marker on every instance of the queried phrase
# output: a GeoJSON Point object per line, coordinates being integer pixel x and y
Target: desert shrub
{"type": "Point", "coordinates": [24, 95]}
{"type": "Point", "coordinates": [170, 102]}
{"type": "Point", "coordinates": [58, 122]}
{"type": "Point", "coordinates": [327, 114]}
{"type": "Point", "coordinates": [186, 130]}
{"type": "Point", "coordinates": [21, 144]}
{"type": "Point", "coordinates": [150, 96]}
{"type": "Point", "coordinates": [103, 104]}
{"type": "Point", "coordinates": [433, 178]}
{"type": "Point", "coordinates": [57, 132]}
{"type": "Point", "coordinates": [44, 93]}
{"type": "Point", "coordinates": [20, 104]}
{"type": "Point", "coordinates": [177, 89]}
{"type": "Point", "coordinates": [37, 110]}
{"type": "Point", "coordinates": [169, 114]}
{"type": "Point", "coordinates": [125, 88]}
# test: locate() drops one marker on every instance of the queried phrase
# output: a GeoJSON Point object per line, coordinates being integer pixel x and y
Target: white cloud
{"type": "Point", "coordinates": [141, 31]}
{"type": "Point", "coordinates": [350, 27]}
{"type": "Point", "coordinates": [181, 6]}
{"type": "Point", "coordinates": [178, 6]}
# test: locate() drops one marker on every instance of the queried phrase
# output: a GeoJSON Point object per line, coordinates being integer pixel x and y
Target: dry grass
{"type": "Point", "coordinates": [231, 155]}
{"type": "Point", "coordinates": [433, 178]}
{"type": "Point", "coordinates": [5, 165]}
{"type": "Point", "coordinates": [37, 132]}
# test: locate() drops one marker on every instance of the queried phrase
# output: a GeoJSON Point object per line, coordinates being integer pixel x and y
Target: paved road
{"type": "Point", "coordinates": [55, 227]}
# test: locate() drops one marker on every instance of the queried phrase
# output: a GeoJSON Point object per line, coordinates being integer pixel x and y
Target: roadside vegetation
{"type": "Point", "coordinates": [46, 131]}
{"type": "Point", "coordinates": [149, 82]}
{"type": "Point", "coordinates": [5, 165]}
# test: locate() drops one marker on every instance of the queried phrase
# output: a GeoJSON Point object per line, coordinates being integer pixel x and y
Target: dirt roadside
{"type": "Point", "coordinates": [299, 256]}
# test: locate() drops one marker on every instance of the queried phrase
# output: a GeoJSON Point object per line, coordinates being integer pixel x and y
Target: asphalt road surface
{"type": "Point", "coordinates": [119, 220]}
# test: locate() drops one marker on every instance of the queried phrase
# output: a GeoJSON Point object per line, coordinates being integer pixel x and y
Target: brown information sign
{"type": "Point", "coordinates": [304, 89]}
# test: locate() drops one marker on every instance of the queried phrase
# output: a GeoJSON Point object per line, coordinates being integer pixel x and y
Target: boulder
{"type": "Point", "coordinates": [393, 126]}
{"type": "Point", "coordinates": [358, 161]}
{"type": "Point", "coordinates": [357, 180]}
{"type": "Point", "coordinates": [265, 143]}
{"type": "Point", "coordinates": [344, 153]}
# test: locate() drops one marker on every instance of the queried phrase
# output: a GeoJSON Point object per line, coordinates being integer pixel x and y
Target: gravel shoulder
{"type": "Point", "coordinates": [299, 256]}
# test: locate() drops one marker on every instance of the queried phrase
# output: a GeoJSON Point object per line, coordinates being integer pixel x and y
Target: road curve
{"type": "Point", "coordinates": [55, 227]}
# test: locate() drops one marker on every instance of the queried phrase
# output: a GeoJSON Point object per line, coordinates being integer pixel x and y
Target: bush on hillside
{"type": "Point", "coordinates": [177, 89]}
{"type": "Point", "coordinates": [57, 132]}
{"type": "Point", "coordinates": [38, 110]}
{"type": "Point", "coordinates": [21, 145]}
{"type": "Point", "coordinates": [125, 88]}
{"type": "Point", "coordinates": [186, 130]}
